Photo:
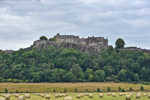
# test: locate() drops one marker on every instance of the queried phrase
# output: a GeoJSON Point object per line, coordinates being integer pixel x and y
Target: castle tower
{"type": "Point", "coordinates": [57, 37]}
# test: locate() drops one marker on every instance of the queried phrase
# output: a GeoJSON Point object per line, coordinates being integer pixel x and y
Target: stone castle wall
{"type": "Point", "coordinates": [99, 43]}
{"type": "Point", "coordinates": [90, 44]}
{"type": "Point", "coordinates": [136, 49]}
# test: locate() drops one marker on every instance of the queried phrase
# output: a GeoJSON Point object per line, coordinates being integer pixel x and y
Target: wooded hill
{"type": "Point", "coordinates": [69, 65]}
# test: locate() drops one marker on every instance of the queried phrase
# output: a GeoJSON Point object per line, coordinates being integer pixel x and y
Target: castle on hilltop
{"type": "Point", "coordinates": [90, 44]}
{"type": "Point", "coordinates": [98, 43]}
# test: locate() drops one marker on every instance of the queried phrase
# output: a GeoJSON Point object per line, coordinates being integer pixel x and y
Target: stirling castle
{"type": "Point", "coordinates": [90, 44]}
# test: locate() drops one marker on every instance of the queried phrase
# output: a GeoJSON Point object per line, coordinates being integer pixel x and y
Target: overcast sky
{"type": "Point", "coordinates": [24, 21]}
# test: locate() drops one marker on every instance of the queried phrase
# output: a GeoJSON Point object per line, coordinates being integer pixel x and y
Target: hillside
{"type": "Point", "coordinates": [70, 65]}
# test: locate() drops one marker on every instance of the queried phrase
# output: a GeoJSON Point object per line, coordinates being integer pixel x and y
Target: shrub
{"type": "Point", "coordinates": [65, 90]}
{"type": "Point", "coordinates": [98, 89]}
{"type": "Point", "coordinates": [9, 80]}
{"type": "Point", "coordinates": [145, 83]}
{"type": "Point", "coordinates": [119, 88]}
{"type": "Point", "coordinates": [53, 39]}
{"type": "Point", "coordinates": [43, 38]}
{"type": "Point", "coordinates": [130, 89]}
{"type": "Point", "coordinates": [27, 81]}
{"type": "Point", "coordinates": [86, 90]}
{"type": "Point", "coordinates": [17, 91]}
{"type": "Point", "coordinates": [123, 90]}
{"type": "Point", "coordinates": [129, 80]}
{"type": "Point", "coordinates": [116, 81]}
{"type": "Point", "coordinates": [16, 81]}
{"type": "Point", "coordinates": [6, 90]}
{"type": "Point", "coordinates": [134, 82]}
{"type": "Point", "coordinates": [141, 88]}
{"type": "Point", "coordinates": [108, 89]}
{"type": "Point", "coordinates": [76, 90]}
{"type": "Point", "coordinates": [27, 91]}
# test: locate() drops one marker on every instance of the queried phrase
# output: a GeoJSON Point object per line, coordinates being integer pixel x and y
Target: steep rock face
{"type": "Point", "coordinates": [81, 47]}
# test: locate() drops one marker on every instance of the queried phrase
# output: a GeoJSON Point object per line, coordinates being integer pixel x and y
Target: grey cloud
{"type": "Point", "coordinates": [23, 21]}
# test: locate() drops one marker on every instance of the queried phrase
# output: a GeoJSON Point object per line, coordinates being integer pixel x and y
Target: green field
{"type": "Point", "coordinates": [70, 87]}
{"type": "Point", "coordinates": [95, 97]}
{"type": "Point", "coordinates": [41, 88]}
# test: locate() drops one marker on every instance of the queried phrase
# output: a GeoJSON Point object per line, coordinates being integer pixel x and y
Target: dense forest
{"type": "Point", "coordinates": [69, 65]}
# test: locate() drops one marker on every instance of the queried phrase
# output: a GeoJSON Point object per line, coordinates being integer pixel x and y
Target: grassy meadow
{"type": "Point", "coordinates": [70, 87]}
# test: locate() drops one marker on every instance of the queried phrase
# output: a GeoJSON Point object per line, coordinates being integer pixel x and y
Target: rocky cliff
{"type": "Point", "coordinates": [84, 48]}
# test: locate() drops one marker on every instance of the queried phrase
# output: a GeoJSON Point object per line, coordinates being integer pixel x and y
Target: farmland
{"type": "Point", "coordinates": [84, 89]}
{"type": "Point", "coordinates": [70, 87]}
{"type": "Point", "coordinates": [85, 97]}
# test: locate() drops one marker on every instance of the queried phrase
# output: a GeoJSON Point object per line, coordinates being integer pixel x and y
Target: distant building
{"type": "Point", "coordinates": [98, 43]}
{"type": "Point", "coordinates": [67, 38]}
{"type": "Point", "coordinates": [90, 44]}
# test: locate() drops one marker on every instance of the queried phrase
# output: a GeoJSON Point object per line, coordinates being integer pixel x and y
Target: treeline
{"type": "Point", "coordinates": [69, 65]}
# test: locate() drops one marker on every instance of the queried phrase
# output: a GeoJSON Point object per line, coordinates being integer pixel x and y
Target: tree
{"type": "Point", "coordinates": [75, 69]}
{"type": "Point", "coordinates": [43, 38]}
{"type": "Point", "coordinates": [123, 90]}
{"type": "Point", "coordinates": [108, 89]}
{"type": "Point", "coordinates": [65, 90]}
{"type": "Point", "coordinates": [51, 64]}
{"type": "Point", "coordinates": [120, 43]}
{"type": "Point", "coordinates": [36, 77]}
{"type": "Point", "coordinates": [136, 77]}
{"type": "Point", "coordinates": [130, 89]}
{"type": "Point", "coordinates": [17, 91]}
{"type": "Point", "coordinates": [6, 90]}
{"type": "Point", "coordinates": [119, 88]}
{"type": "Point", "coordinates": [108, 70]}
{"type": "Point", "coordinates": [76, 90]}
{"type": "Point", "coordinates": [98, 89]}
{"type": "Point", "coordinates": [69, 77]}
{"type": "Point", "coordinates": [99, 75]}
{"type": "Point", "coordinates": [87, 90]}
{"type": "Point", "coordinates": [88, 72]}
{"type": "Point", "coordinates": [136, 67]}
{"type": "Point", "coordinates": [110, 49]}
{"type": "Point", "coordinates": [141, 88]}
{"type": "Point", "coordinates": [91, 77]}
{"type": "Point", "coordinates": [53, 38]}
{"type": "Point", "coordinates": [143, 70]}
{"type": "Point", "coordinates": [122, 75]}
